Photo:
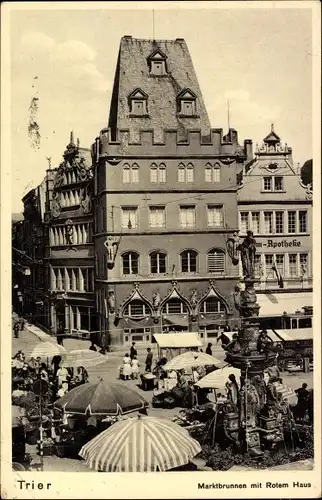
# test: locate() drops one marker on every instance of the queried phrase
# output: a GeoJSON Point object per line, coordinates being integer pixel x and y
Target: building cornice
{"type": "Point", "coordinates": [273, 202]}
{"type": "Point", "coordinates": [211, 189]}
{"type": "Point", "coordinates": [130, 232]}
{"type": "Point", "coordinates": [167, 279]}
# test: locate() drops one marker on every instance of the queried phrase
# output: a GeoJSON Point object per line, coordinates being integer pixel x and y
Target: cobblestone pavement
{"type": "Point", "coordinates": [109, 372]}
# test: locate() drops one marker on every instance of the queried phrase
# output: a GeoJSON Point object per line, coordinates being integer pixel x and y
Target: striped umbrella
{"type": "Point", "coordinates": [218, 378]}
{"type": "Point", "coordinates": [101, 399]}
{"type": "Point", "coordinates": [144, 444]}
{"type": "Point", "coordinates": [83, 357]}
{"type": "Point", "coordinates": [190, 359]}
{"type": "Point", "coordinates": [46, 349]}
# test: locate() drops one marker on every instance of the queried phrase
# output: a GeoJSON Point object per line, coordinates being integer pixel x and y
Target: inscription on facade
{"type": "Point", "coordinates": [279, 244]}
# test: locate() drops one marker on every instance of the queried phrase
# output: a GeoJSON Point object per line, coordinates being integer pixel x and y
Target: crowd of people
{"type": "Point", "coordinates": [130, 368]}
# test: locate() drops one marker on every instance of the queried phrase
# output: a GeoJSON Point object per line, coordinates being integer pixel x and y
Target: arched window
{"type": "Point", "coordinates": [158, 173]}
{"type": "Point", "coordinates": [130, 263]}
{"type": "Point", "coordinates": [189, 261]}
{"type": "Point", "coordinates": [181, 173]}
{"type": "Point", "coordinates": [212, 305]}
{"type": "Point", "coordinates": [216, 261]}
{"type": "Point", "coordinates": [130, 173]}
{"type": "Point", "coordinates": [158, 262]}
{"type": "Point", "coordinates": [212, 173]}
{"type": "Point", "coordinates": [190, 173]}
{"type": "Point", "coordinates": [136, 308]}
{"type": "Point", "coordinates": [186, 173]}
{"type": "Point", "coordinates": [174, 306]}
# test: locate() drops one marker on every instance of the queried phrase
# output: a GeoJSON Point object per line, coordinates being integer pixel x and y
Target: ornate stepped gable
{"type": "Point", "coordinates": [73, 170]}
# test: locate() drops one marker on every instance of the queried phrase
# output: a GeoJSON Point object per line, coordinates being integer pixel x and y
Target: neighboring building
{"type": "Point", "coordinates": [165, 190]}
{"type": "Point", "coordinates": [28, 245]}
{"type": "Point", "coordinates": [277, 207]}
{"type": "Point", "coordinates": [18, 268]}
{"type": "Point", "coordinates": [70, 253]}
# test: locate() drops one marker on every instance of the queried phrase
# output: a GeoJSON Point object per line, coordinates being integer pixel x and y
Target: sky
{"type": "Point", "coordinates": [258, 59]}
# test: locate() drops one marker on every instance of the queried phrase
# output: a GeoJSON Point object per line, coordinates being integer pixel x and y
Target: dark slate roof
{"type": "Point", "coordinates": [132, 72]}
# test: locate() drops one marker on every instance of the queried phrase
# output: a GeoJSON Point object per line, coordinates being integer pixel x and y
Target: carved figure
{"type": "Point", "coordinates": [264, 342]}
{"type": "Point", "coordinates": [156, 300]}
{"type": "Point", "coordinates": [194, 298]}
{"type": "Point", "coordinates": [249, 404]}
{"type": "Point", "coordinates": [232, 248]}
{"type": "Point", "coordinates": [111, 301]}
{"type": "Point", "coordinates": [59, 178]}
{"type": "Point", "coordinates": [69, 233]}
{"type": "Point", "coordinates": [248, 252]}
{"type": "Point", "coordinates": [55, 206]}
{"type": "Point", "coordinates": [260, 386]}
{"type": "Point", "coordinates": [237, 297]}
{"type": "Point", "coordinates": [111, 245]}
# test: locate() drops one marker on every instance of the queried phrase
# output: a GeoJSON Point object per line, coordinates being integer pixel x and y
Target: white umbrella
{"type": "Point", "coordinates": [83, 357]}
{"type": "Point", "coordinates": [141, 444]}
{"type": "Point", "coordinates": [218, 378]}
{"type": "Point", "coordinates": [190, 359]}
{"type": "Point", "coordinates": [46, 349]}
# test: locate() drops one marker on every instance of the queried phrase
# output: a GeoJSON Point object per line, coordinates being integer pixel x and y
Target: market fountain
{"type": "Point", "coordinates": [257, 421]}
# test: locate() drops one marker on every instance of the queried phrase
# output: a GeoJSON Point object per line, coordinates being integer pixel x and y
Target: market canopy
{"type": "Point", "coordinates": [296, 334]}
{"type": "Point", "coordinates": [178, 340]}
{"type": "Point", "coordinates": [218, 378]}
{"type": "Point", "coordinates": [273, 336]}
{"type": "Point", "coordinates": [191, 359]}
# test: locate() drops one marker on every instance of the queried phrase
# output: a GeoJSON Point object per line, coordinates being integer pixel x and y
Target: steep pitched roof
{"type": "Point", "coordinates": [132, 72]}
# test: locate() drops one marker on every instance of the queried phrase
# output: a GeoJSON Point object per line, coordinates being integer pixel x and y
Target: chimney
{"type": "Point", "coordinates": [248, 148]}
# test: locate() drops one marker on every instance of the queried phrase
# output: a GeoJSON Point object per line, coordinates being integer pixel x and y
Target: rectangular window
{"type": "Point", "coordinates": [304, 263]}
{"type": "Point", "coordinates": [258, 267]}
{"type": "Point", "coordinates": [279, 222]}
{"type": "Point", "coordinates": [215, 216]}
{"type": "Point", "coordinates": [292, 265]}
{"type": "Point", "coordinates": [129, 217]}
{"type": "Point", "coordinates": [255, 222]}
{"type": "Point", "coordinates": [302, 221]}
{"type": "Point", "coordinates": [187, 108]}
{"type": "Point", "coordinates": [157, 216]}
{"type": "Point", "coordinates": [268, 222]}
{"type": "Point", "coordinates": [279, 261]}
{"type": "Point", "coordinates": [268, 266]}
{"type": "Point", "coordinates": [243, 222]}
{"type": "Point", "coordinates": [267, 183]}
{"type": "Point", "coordinates": [188, 216]}
{"type": "Point", "coordinates": [278, 184]}
{"type": "Point", "coordinates": [292, 222]}
{"type": "Point", "coordinates": [138, 108]}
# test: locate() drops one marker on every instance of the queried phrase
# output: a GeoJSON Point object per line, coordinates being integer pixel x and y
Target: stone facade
{"type": "Point", "coordinates": [165, 202]}
{"type": "Point", "coordinates": [281, 221]}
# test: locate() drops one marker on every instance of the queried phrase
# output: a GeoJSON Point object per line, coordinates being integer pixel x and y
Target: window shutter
{"type": "Point", "coordinates": [216, 262]}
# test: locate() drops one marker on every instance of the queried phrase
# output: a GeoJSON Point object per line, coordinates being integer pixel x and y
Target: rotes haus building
{"type": "Point", "coordinates": [165, 201]}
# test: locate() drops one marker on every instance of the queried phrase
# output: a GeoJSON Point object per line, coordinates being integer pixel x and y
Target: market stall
{"type": "Point", "coordinates": [172, 344]}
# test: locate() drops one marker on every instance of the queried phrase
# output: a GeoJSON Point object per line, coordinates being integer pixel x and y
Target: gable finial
{"type": "Point", "coordinates": [71, 137]}
{"type": "Point", "coordinates": [272, 127]}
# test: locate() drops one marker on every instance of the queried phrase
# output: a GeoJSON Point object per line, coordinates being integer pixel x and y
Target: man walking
{"type": "Point", "coordinates": [133, 351]}
{"type": "Point", "coordinates": [148, 360]}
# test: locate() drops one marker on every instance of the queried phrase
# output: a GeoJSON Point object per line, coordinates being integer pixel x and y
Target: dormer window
{"type": "Point", "coordinates": [138, 103]}
{"type": "Point", "coordinates": [186, 103]}
{"type": "Point", "coordinates": [157, 63]}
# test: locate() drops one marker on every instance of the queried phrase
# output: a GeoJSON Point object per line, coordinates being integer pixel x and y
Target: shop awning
{"type": "Point", "coordinates": [274, 304]}
{"type": "Point", "coordinates": [178, 340]}
{"type": "Point", "coordinates": [137, 323]}
{"type": "Point", "coordinates": [175, 319]}
{"type": "Point", "coordinates": [273, 335]}
{"type": "Point", "coordinates": [296, 334]}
